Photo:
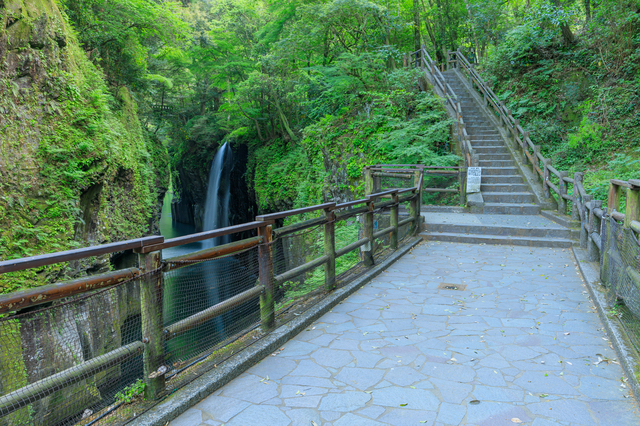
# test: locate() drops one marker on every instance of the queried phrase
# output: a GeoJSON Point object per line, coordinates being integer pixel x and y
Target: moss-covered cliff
{"type": "Point", "coordinates": [76, 166]}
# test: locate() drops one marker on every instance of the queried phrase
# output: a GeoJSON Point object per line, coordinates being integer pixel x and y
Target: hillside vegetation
{"type": "Point", "coordinates": [104, 101]}
{"type": "Point", "coordinates": [578, 98]}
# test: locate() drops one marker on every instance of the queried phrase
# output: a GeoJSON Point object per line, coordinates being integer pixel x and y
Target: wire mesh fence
{"type": "Point", "coordinates": [64, 362]}
{"type": "Point", "coordinates": [106, 356]}
{"type": "Point", "coordinates": [290, 252]}
{"type": "Point", "coordinates": [198, 286]}
{"type": "Point", "coordinates": [620, 263]}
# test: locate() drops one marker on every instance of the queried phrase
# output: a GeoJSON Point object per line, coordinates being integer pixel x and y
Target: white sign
{"type": "Point", "coordinates": [474, 177]}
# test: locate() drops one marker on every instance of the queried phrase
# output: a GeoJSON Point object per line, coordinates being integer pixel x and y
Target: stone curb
{"type": "Point", "coordinates": [209, 382]}
{"type": "Point", "coordinates": [627, 356]}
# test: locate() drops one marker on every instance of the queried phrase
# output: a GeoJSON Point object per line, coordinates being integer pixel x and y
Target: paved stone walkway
{"type": "Point", "coordinates": [518, 346]}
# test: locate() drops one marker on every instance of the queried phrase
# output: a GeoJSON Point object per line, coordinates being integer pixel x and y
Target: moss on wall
{"type": "Point", "coordinates": [76, 166]}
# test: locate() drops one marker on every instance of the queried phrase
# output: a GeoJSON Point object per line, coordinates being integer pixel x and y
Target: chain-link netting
{"type": "Point", "coordinates": [80, 360]}
{"type": "Point", "coordinates": [292, 251]}
{"type": "Point", "coordinates": [198, 286]}
{"type": "Point", "coordinates": [65, 362]}
{"type": "Point", "coordinates": [441, 181]}
{"type": "Point", "coordinates": [396, 181]}
{"type": "Point", "coordinates": [620, 266]}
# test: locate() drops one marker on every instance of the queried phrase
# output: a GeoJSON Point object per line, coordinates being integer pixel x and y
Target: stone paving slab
{"type": "Point", "coordinates": [520, 344]}
{"type": "Point", "coordinates": [524, 221]}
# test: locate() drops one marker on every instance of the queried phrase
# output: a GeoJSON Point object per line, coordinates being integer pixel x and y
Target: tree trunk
{"type": "Point", "coordinates": [429, 28]}
{"type": "Point", "coordinates": [473, 31]}
{"type": "Point", "coordinates": [587, 9]}
{"type": "Point", "coordinates": [417, 42]}
{"type": "Point", "coordinates": [567, 35]}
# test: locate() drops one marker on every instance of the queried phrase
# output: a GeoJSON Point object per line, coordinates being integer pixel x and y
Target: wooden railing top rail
{"type": "Point", "coordinates": [76, 254]}
{"type": "Point", "coordinates": [350, 204]}
{"type": "Point", "coordinates": [382, 194]}
{"type": "Point", "coordinates": [48, 293]}
{"type": "Point", "coordinates": [287, 213]}
{"type": "Point", "coordinates": [206, 235]}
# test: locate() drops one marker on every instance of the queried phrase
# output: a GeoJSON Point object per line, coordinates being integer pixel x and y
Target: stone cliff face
{"type": "Point", "coordinates": [76, 167]}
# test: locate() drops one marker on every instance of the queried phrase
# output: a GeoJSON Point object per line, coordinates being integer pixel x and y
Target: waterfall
{"type": "Point", "coordinates": [216, 209]}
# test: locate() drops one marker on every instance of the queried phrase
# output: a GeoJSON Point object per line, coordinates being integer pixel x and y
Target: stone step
{"type": "Point", "coordinates": [497, 239]}
{"type": "Point", "coordinates": [490, 149]}
{"type": "Point", "coordinates": [480, 127]}
{"type": "Point", "coordinates": [470, 115]}
{"type": "Point", "coordinates": [511, 208]}
{"type": "Point", "coordinates": [500, 170]}
{"type": "Point", "coordinates": [481, 137]}
{"type": "Point", "coordinates": [504, 187]}
{"type": "Point", "coordinates": [508, 197]}
{"type": "Point", "coordinates": [483, 134]}
{"type": "Point", "coordinates": [475, 141]}
{"type": "Point", "coordinates": [494, 157]}
{"type": "Point", "coordinates": [496, 163]}
{"type": "Point", "coordinates": [499, 229]}
{"type": "Point", "coordinates": [475, 119]}
{"type": "Point", "coordinates": [500, 179]}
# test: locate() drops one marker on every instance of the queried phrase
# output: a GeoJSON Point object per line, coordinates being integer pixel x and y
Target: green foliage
{"type": "Point", "coordinates": [131, 392]}
{"type": "Point", "coordinates": [118, 35]}
{"type": "Point", "coordinates": [82, 168]}
{"type": "Point", "coordinates": [579, 102]}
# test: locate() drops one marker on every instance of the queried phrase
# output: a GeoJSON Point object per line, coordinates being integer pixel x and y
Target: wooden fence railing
{"type": "Point", "coordinates": [422, 59]}
{"type": "Point", "coordinates": [150, 260]}
{"type": "Point", "coordinates": [418, 173]}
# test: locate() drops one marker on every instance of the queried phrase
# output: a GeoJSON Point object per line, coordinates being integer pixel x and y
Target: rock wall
{"type": "Point", "coordinates": [76, 166]}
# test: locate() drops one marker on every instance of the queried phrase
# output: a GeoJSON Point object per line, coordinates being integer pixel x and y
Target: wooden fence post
{"type": "Point", "coordinates": [577, 180]}
{"type": "Point", "coordinates": [525, 147]}
{"type": "Point", "coordinates": [593, 253]}
{"type": "Point", "coordinates": [416, 202]}
{"type": "Point", "coordinates": [585, 227]}
{"type": "Point", "coordinates": [265, 267]}
{"type": "Point", "coordinates": [463, 187]}
{"type": "Point", "coordinates": [615, 192]}
{"type": "Point", "coordinates": [536, 151]}
{"type": "Point", "coordinates": [330, 250]}
{"type": "Point", "coordinates": [394, 222]}
{"type": "Point", "coordinates": [367, 249]}
{"type": "Point", "coordinates": [151, 295]}
{"type": "Point", "coordinates": [547, 175]}
{"type": "Point", "coordinates": [632, 210]}
{"type": "Point", "coordinates": [368, 181]}
{"type": "Point", "coordinates": [562, 186]}
{"type": "Point", "coordinates": [515, 132]}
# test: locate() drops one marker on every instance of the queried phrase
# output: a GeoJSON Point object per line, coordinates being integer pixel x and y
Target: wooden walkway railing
{"type": "Point", "coordinates": [422, 59]}
{"type": "Point", "coordinates": [150, 260]}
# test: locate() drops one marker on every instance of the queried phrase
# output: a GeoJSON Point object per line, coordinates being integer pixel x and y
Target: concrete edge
{"type": "Point", "coordinates": [627, 356]}
{"type": "Point", "coordinates": [209, 382]}
{"type": "Point", "coordinates": [528, 175]}
{"type": "Point", "coordinates": [560, 219]}
{"type": "Point", "coordinates": [443, 209]}
{"type": "Point", "coordinates": [475, 201]}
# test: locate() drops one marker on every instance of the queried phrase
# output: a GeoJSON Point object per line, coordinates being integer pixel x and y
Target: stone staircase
{"type": "Point", "coordinates": [510, 214]}
{"type": "Point", "coordinates": [503, 188]}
